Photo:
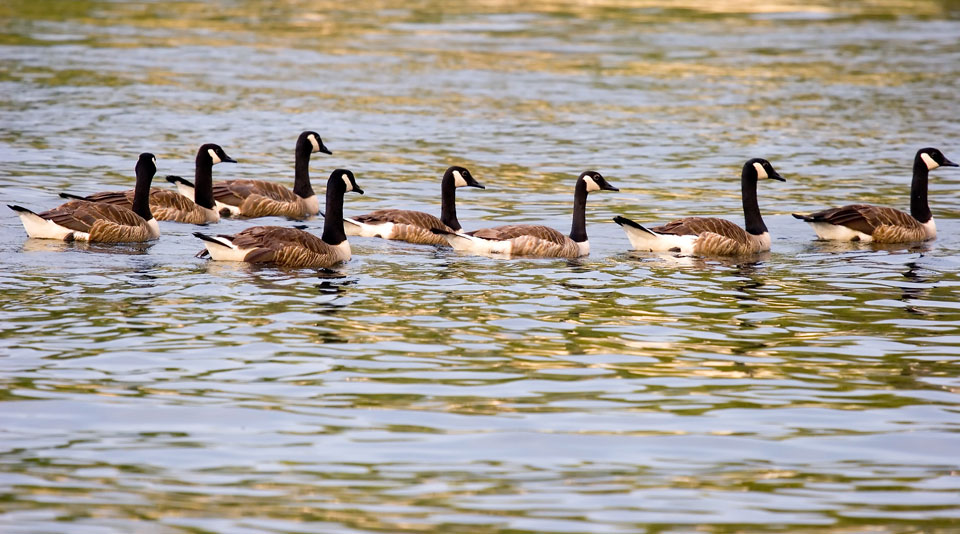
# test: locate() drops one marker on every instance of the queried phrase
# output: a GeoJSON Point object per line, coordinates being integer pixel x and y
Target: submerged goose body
{"type": "Point", "coordinates": [535, 240]}
{"type": "Point", "coordinates": [416, 226]}
{"type": "Point", "coordinates": [259, 198]}
{"type": "Point", "coordinates": [880, 224]}
{"type": "Point", "coordinates": [291, 247]}
{"type": "Point", "coordinates": [97, 222]}
{"type": "Point", "coordinates": [711, 236]}
{"type": "Point", "coordinates": [167, 205]}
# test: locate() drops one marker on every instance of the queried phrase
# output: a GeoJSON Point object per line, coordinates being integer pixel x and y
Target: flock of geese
{"type": "Point", "coordinates": [132, 215]}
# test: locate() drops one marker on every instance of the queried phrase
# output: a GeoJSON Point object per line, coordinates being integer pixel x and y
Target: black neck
{"type": "Point", "coordinates": [203, 181]}
{"type": "Point", "coordinates": [141, 193]}
{"type": "Point", "coordinates": [578, 232]}
{"type": "Point", "coordinates": [751, 210]}
{"type": "Point", "coordinates": [301, 169]}
{"type": "Point", "coordinates": [448, 202]}
{"type": "Point", "coordinates": [333, 233]}
{"type": "Point", "coordinates": [918, 191]}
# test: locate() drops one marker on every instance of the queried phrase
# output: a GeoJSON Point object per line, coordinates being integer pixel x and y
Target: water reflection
{"type": "Point", "coordinates": [51, 245]}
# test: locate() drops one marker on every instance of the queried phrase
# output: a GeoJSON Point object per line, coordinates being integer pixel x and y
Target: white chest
{"type": "Point", "coordinates": [210, 215]}
{"type": "Point", "coordinates": [154, 228]}
{"type": "Point", "coordinates": [343, 251]}
{"type": "Point", "coordinates": [763, 242]}
{"type": "Point", "coordinates": [312, 204]}
{"type": "Point", "coordinates": [584, 248]}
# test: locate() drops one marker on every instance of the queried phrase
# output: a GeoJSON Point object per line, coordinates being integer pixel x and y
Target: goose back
{"type": "Point", "coordinates": [289, 247]}
{"type": "Point", "coordinates": [165, 205]}
{"type": "Point", "coordinates": [100, 222]}
{"type": "Point", "coordinates": [866, 222]}
{"type": "Point", "coordinates": [258, 198]}
{"type": "Point", "coordinates": [403, 225]}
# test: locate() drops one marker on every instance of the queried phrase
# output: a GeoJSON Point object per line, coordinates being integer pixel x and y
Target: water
{"type": "Point", "coordinates": [813, 388]}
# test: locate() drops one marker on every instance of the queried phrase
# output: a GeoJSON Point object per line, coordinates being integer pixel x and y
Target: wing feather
{"type": "Point", "coordinates": [117, 198]}
{"type": "Point", "coordinates": [414, 218]}
{"type": "Point", "coordinates": [257, 205]}
{"type": "Point", "coordinates": [885, 225]}
{"type": "Point", "coordinates": [289, 247]}
{"type": "Point", "coordinates": [104, 222]}
{"type": "Point", "coordinates": [234, 192]}
{"type": "Point", "coordinates": [702, 225]}
{"type": "Point", "coordinates": [512, 231]}
{"type": "Point", "coordinates": [533, 245]}
{"type": "Point", "coordinates": [166, 205]}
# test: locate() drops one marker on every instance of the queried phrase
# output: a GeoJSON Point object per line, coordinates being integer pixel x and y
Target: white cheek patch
{"type": "Point", "coordinates": [761, 172]}
{"type": "Point", "coordinates": [154, 161]}
{"type": "Point", "coordinates": [591, 185]}
{"type": "Point", "coordinates": [346, 180]}
{"type": "Point", "coordinates": [313, 141]}
{"type": "Point", "coordinates": [213, 156]}
{"type": "Point", "coordinates": [458, 179]}
{"type": "Point", "coordinates": [929, 161]}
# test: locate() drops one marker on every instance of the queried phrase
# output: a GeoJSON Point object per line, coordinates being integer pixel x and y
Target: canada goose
{"type": "Point", "coordinates": [710, 236]}
{"type": "Point", "coordinates": [865, 222]}
{"type": "Point", "coordinates": [258, 198]}
{"type": "Point", "coordinates": [535, 240]}
{"type": "Point", "coordinates": [83, 220]}
{"type": "Point", "coordinates": [416, 226]}
{"type": "Point", "coordinates": [194, 205]}
{"type": "Point", "coordinates": [291, 247]}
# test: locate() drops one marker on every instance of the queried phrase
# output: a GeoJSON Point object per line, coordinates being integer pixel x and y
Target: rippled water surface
{"type": "Point", "coordinates": [813, 388]}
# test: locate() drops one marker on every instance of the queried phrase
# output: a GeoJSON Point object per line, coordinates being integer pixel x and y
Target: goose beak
{"type": "Point", "coordinates": [356, 189]}
{"type": "Point", "coordinates": [948, 163]}
{"type": "Point", "coordinates": [776, 176]}
{"type": "Point", "coordinates": [608, 187]}
{"type": "Point", "coordinates": [477, 184]}
{"type": "Point", "coordinates": [325, 150]}
{"type": "Point", "coordinates": [228, 159]}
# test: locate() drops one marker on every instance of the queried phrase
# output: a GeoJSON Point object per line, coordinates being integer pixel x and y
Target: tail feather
{"type": "Point", "coordinates": [623, 221]}
{"type": "Point", "coordinates": [440, 231]}
{"type": "Point", "coordinates": [803, 217]}
{"type": "Point", "coordinates": [70, 196]}
{"type": "Point", "coordinates": [218, 240]}
{"type": "Point", "coordinates": [20, 209]}
{"type": "Point", "coordinates": [352, 226]}
{"type": "Point", "coordinates": [221, 248]}
{"type": "Point", "coordinates": [179, 180]}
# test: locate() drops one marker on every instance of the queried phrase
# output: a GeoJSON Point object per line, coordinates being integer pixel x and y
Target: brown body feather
{"type": "Point", "coordinates": [164, 204]}
{"type": "Point", "coordinates": [717, 237]}
{"type": "Point", "coordinates": [511, 231]}
{"type": "Point", "coordinates": [258, 198]}
{"type": "Point", "coordinates": [408, 225]}
{"type": "Point", "coordinates": [105, 223]}
{"type": "Point", "coordinates": [289, 247]}
{"type": "Point", "coordinates": [532, 240]}
{"type": "Point", "coordinates": [886, 225]}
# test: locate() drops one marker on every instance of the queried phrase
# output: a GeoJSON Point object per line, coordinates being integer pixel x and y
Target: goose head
{"type": "Point", "coordinates": [347, 178]}
{"type": "Point", "coordinates": [462, 177]}
{"type": "Point", "coordinates": [146, 165]}
{"type": "Point", "coordinates": [215, 153]}
{"type": "Point", "coordinates": [761, 170]}
{"type": "Point", "coordinates": [595, 182]}
{"type": "Point", "coordinates": [933, 158]}
{"type": "Point", "coordinates": [313, 140]}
